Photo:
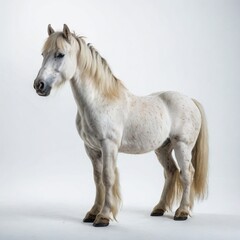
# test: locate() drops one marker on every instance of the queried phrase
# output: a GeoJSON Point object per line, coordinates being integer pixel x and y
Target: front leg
{"type": "Point", "coordinates": [111, 184]}
{"type": "Point", "coordinates": [97, 162]}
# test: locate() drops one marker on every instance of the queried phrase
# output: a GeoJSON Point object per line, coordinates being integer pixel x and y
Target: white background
{"type": "Point", "coordinates": [187, 46]}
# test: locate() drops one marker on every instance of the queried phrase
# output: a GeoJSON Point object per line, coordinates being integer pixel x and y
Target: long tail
{"type": "Point", "coordinates": [200, 158]}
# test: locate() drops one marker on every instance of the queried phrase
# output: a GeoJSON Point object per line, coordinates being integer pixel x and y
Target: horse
{"type": "Point", "coordinates": [110, 119]}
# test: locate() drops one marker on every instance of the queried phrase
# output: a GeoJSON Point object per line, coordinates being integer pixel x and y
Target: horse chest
{"type": "Point", "coordinates": [93, 128]}
{"type": "Point", "coordinates": [88, 131]}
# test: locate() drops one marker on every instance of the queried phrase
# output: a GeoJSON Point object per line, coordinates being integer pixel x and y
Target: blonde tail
{"type": "Point", "coordinates": [200, 159]}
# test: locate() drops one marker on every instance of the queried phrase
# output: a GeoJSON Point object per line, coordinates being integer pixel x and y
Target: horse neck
{"type": "Point", "coordinates": [93, 82]}
{"type": "Point", "coordinates": [96, 70]}
{"type": "Point", "coordinates": [87, 95]}
{"type": "Point", "coordinates": [83, 91]}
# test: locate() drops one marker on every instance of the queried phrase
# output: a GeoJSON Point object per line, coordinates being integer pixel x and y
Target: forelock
{"type": "Point", "coordinates": [56, 42]}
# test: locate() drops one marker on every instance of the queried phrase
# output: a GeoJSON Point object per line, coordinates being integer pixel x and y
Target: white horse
{"type": "Point", "coordinates": [110, 119]}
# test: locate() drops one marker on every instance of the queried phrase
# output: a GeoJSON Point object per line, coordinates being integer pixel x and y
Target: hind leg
{"type": "Point", "coordinates": [165, 158]}
{"type": "Point", "coordinates": [184, 156]}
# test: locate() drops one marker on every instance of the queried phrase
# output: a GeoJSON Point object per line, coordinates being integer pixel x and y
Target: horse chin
{"type": "Point", "coordinates": [44, 93]}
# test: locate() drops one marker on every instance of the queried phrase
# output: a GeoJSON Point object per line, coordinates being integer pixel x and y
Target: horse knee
{"type": "Point", "coordinates": [108, 178]}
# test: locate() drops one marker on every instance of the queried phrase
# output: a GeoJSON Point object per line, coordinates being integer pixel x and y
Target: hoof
{"type": "Point", "coordinates": [101, 222]}
{"type": "Point", "coordinates": [181, 217]}
{"type": "Point", "coordinates": [90, 218]}
{"type": "Point", "coordinates": [157, 212]}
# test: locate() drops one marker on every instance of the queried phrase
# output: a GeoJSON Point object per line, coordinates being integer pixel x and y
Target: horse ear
{"type": "Point", "coordinates": [66, 32]}
{"type": "Point", "coordinates": [50, 30]}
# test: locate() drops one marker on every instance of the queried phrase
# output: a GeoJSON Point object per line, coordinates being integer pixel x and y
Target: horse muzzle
{"type": "Point", "coordinates": [42, 88]}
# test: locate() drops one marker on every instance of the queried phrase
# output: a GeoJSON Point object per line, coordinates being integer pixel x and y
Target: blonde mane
{"type": "Point", "coordinates": [91, 64]}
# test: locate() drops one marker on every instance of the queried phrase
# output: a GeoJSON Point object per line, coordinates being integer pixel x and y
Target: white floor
{"type": "Point", "coordinates": [65, 222]}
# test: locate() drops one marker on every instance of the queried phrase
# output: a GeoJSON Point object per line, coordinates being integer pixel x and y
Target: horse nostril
{"type": "Point", "coordinates": [41, 86]}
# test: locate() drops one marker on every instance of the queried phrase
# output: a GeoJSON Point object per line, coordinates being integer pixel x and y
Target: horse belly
{"type": "Point", "coordinates": [145, 131]}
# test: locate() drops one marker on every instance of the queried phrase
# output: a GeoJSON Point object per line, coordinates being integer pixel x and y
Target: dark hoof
{"type": "Point", "coordinates": [101, 222]}
{"type": "Point", "coordinates": [90, 218]}
{"type": "Point", "coordinates": [157, 212]}
{"type": "Point", "coordinates": [182, 217]}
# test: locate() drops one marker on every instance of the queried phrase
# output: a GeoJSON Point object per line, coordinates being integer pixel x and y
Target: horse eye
{"type": "Point", "coordinates": [59, 55]}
